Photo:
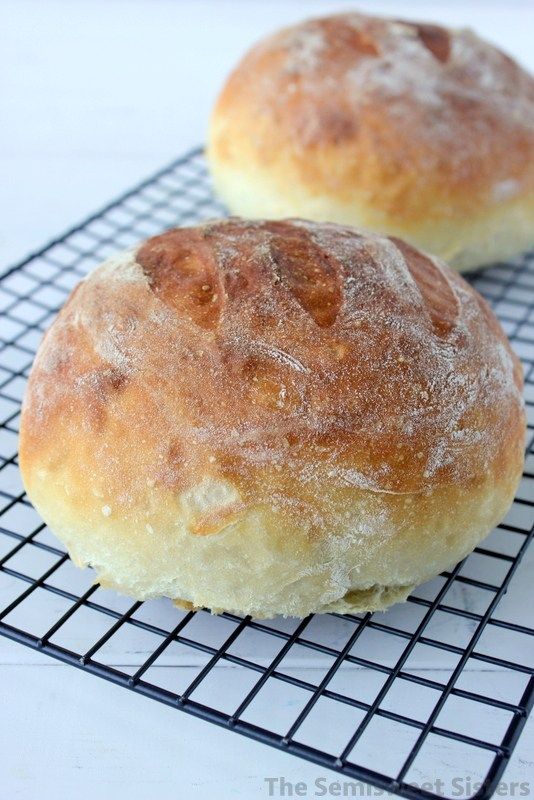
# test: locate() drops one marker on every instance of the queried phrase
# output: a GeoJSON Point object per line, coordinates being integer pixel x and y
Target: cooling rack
{"type": "Point", "coordinates": [447, 678]}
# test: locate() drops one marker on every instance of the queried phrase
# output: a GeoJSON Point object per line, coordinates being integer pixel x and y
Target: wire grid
{"type": "Point", "coordinates": [447, 672]}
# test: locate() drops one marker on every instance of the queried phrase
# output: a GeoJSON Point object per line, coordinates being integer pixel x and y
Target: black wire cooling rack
{"type": "Point", "coordinates": [436, 689]}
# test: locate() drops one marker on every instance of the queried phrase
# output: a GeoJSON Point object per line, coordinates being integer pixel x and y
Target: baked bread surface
{"type": "Point", "coordinates": [272, 417]}
{"type": "Point", "coordinates": [400, 127]}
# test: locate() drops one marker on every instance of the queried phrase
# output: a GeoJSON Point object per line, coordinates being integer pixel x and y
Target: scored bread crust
{"type": "Point", "coordinates": [272, 417]}
{"type": "Point", "coordinates": [405, 128]}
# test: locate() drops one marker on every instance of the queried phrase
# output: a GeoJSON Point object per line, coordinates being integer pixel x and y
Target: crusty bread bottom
{"type": "Point", "coordinates": [468, 243]}
{"type": "Point", "coordinates": [263, 564]}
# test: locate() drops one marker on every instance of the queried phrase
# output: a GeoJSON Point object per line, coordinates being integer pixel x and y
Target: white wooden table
{"type": "Point", "coordinates": [95, 97]}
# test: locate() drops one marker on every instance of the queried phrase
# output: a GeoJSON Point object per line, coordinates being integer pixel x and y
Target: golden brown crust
{"type": "Point", "coordinates": [408, 123]}
{"type": "Point", "coordinates": [270, 370]}
{"type": "Point", "coordinates": [282, 339]}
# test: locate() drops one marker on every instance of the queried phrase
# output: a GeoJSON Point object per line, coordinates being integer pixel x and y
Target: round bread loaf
{"type": "Point", "coordinates": [272, 417]}
{"type": "Point", "coordinates": [399, 127]}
